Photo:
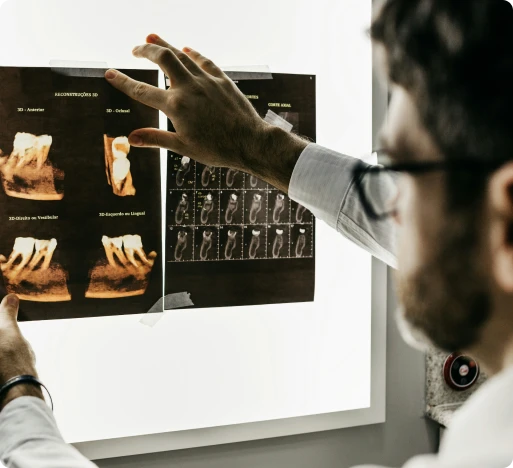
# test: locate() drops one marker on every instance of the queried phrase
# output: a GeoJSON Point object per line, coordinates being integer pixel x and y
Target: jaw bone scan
{"type": "Point", "coordinates": [181, 245]}
{"type": "Point", "coordinates": [230, 244]}
{"type": "Point", "coordinates": [182, 172]}
{"type": "Point", "coordinates": [233, 205]}
{"type": "Point", "coordinates": [117, 165]}
{"type": "Point", "coordinates": [206, 244]}
{"type": "Point", "coordinates": [208, 207]}
{"type": "Point", "coordinates": [254, 244]}
{"type": "Point", "coordinates": [256, 206]}
{"type": "Point", "coordinates": [125, 270]}
{"type": "Point", "coordinates": [301, 242]}
{"type": "Point", "coordinates": [278, 243]}
{"type": "Point", "coordinates": [27, 172]}
{"type": "Point", "coordinates": [182, 208]}
{"type": "Point", "coordinates": [31, 274]}
{"type": "Point", "coordinates": [206, 175]}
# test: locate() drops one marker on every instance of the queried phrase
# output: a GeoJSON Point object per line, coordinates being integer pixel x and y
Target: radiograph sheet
{"type": "Point", "coordinates": [232, 239]}
{"type": "Point", "coordinates": [80, 210]}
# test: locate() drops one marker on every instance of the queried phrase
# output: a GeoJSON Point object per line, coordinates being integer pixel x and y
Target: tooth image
{"type": "Point", "coordinates": [124, 271]}
{"type": "Point", "coordinates": [206, 244]}
{"type": "Point", "coordinates": [230, 244]}
{"type": "Point", "coordinates": [230, 177]}
{"type": "Point", "coordinates": [185, 168]}
{"type": "Point", "coordinates": [208, 207]}
{"type": "Point", "coordinates": [133, 245]}
{"type": "Point", "coordinates": [31, 272]}
{"type": "Point", "coordinates": [117, 165]}
{"type": "Point", "coordinates": [114, 249]}
{"type": "Point", "coordinates": [300, 213]}
{"type": "Point", "coordinates": [181, 209]}
{"type": "Point", "coordinates": [181, 245]}
{"type": "Point", "coordinates": [205, 175]}
{"type": "Point", "coordinates": [279, 206]}
{"type": "Point", "coordinates": [254, 244]}
{"type": "Point", "coordinates": [27, 172]}
{"type": "Point", "coordinates": [231, 209]}
{"type": "Point", "coordinates": [120, 170]}
{"type": "Point", "coordinates": [278, 243]}
{"type": "Point", "coordinates": [256, 207]}
{"type": "Point", "coordinates": [301, 243]}
{"type": "Point", "coordinates": [44, 250]}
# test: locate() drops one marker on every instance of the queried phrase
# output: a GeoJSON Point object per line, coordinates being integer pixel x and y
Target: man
{"type": "Point", "coordinates": [449, 136]}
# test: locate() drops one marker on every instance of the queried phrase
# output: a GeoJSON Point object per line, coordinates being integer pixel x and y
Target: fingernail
{"type": "Point", "coordinates": [153, 38]}
{"type": "Point", "coordinates": [12, 300]}
{"type": "Point", "coordinates": [187, 50]}
{"type": "Point", "coordinates": [110, 75]}
{"type": "Point", "coordinates": [135, 140]}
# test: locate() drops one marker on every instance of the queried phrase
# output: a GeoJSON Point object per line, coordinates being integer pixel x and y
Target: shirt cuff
{"type": "Point", "coordinates": [26, 418]}
{"type": "Point", "coordinates": [321, 180]}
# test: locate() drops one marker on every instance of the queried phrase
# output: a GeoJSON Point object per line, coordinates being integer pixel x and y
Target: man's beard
{"type": "Point", "coordinates": [446, 301]}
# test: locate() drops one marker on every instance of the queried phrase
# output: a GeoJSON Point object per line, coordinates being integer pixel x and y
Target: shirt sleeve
{"type": "Point", "coordinates": [323, 181]}
{"type": "Point", "coordinates": [29, 438]}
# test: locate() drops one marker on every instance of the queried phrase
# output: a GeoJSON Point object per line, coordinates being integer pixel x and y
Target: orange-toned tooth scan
{"type": "Point", "coordinates": [28, 173]}
{"type": "Point", "coordinates": [31, 273]}
{"type": "Point", "coordinates": [124, 271]}
{"type": "Point", "coordinates": [117, 165]}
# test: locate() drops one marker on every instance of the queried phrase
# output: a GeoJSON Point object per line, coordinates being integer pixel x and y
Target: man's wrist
{"type": "Point", "coordinates": [276, 156]}
{"type": "Point", "coordinates": [20, 390]}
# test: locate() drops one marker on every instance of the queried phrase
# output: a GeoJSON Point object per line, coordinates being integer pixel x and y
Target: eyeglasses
{"type": "Point", "coordinates": [377, 185]}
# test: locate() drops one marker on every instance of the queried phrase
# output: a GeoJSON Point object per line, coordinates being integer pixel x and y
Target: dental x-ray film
{"type": "Point", "coordinates": [231, 238]}
{"type": "Point", "coordinates": [80, 210]}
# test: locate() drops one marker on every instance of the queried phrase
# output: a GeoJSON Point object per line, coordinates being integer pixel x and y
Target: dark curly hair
{"type": "Point", "coordinates": [455, 57]}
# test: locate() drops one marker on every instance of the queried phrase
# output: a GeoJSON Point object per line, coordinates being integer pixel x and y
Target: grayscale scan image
{"type": "Point", "coordinates": [233, 239]}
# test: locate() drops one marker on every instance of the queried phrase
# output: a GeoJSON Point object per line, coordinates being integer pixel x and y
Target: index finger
{"type": "Point", "coordinates": [142, 92]}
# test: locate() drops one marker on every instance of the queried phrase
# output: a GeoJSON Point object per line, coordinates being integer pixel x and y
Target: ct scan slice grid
{"type": "Point", "coordinates": [232, 239]}
{"type": "Point", "coordinates": [228, 216]}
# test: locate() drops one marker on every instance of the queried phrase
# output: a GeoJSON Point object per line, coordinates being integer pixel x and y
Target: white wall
{"type": "Point", "coordinates": [224, 366]}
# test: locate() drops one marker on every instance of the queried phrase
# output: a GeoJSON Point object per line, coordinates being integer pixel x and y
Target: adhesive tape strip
{"type": "Point", "coordinates": [169, 302]}
{"type": "Point", "coordinates": [255, 72]}
{"type": "Point", "coordinates": [277, 121]}
{"type": "Point", "coordinates": [79, 68]}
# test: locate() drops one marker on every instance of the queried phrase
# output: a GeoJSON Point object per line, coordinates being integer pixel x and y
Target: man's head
{"type": "Point", "coordinates": [450, 63]}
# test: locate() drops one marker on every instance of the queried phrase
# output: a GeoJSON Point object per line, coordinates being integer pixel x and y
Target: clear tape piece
{"type": "Point", "coordinates": [79, 68]}
{"type": "Point", "coordinates": [251, 72]}
{"type": "Point", "coordinates": [277, 121]}
{"type": "Point", "coordinates": [169, 302]}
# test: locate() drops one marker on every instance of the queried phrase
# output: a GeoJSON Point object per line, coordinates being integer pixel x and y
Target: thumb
{"type": "Point", "coordinates": [154, 138]}
{"type": "Point", "coordinates": [9, 309]}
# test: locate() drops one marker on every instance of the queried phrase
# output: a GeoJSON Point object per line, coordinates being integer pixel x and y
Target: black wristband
{"type": "Point", "coordinates": [22, 379]}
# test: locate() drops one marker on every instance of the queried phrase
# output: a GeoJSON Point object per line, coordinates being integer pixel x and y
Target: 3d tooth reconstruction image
{"type": "Point", "coordinates": [117, 166]}
{"type": "Point", "coordinates": [28, 173]}
{"type": "Point", "coordinates": [31, 273]}
{"type": "Point", "coordinates": [124, 271]}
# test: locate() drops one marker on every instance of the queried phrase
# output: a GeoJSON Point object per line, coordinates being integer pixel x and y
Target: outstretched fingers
{"type": "Point", "coordinates": [204, 63]}
{"type": "Point", "coordinates": [142, 92]}
{"type": "Point", "coordinates": [180, 55]}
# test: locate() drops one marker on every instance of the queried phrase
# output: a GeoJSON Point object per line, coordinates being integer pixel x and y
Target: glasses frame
{"type": "Point", "coordinates": [417, 168]}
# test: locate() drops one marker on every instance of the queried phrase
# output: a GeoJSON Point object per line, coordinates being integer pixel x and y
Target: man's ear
{"type": "Point", "coordinates": [500, 198]}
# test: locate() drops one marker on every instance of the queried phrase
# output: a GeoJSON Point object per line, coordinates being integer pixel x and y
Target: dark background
{"type": "Point", "coordinates": [250, 282]}
{"type": "Point", "coordinates": [77, 126]}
